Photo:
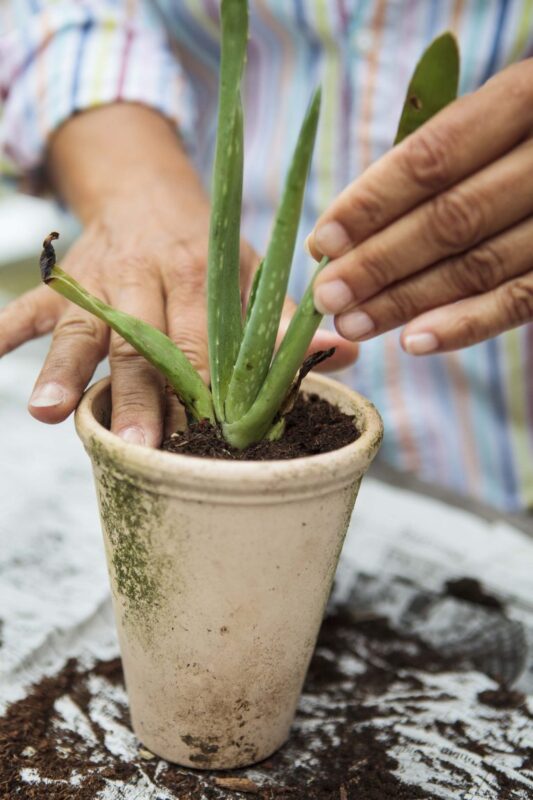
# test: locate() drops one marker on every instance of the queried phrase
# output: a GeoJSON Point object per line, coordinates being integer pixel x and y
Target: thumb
{"type": "Point", "coordinates": [31, 315]}
{"type": "Point", "coordinates": [345, 352]}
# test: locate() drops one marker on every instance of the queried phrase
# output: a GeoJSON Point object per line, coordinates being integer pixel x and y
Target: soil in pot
{"type": "Point", "coordinates": [313, 426]}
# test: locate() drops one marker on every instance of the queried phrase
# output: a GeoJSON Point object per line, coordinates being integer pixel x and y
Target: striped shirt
{"type": "Point", "coordinates": [464, 419]}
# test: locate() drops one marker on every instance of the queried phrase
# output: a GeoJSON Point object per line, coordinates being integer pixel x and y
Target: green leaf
{"type": "Point", "coordinates": [434, 84]}
{"type": "Point", "coordinates": [253, 293]}
{"type": "Point", "coordinates": [256, 423]}
{"type": "Point", "coordinates": [151, 343]}
{"type": "Point", "coordinates": [257, 347]}
{"type": "Point", "coordinates": [223, 278]}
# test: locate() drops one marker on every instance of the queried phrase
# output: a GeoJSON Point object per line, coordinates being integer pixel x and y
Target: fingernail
{"type": "Point", "coordinates": [306, 246]}
{"type": "Point", "coordinates": [133, 435]}
{"type": "Point", "coordinates": [332, 297]}
{"type": "Point", "coordinates": [47, 395]}
{"type": "Point", "coordinates": [354, 325]}
{"type": "Point", "coordinates": [417, 344]}
{"type": "Point", "coordinates": [331, 239]}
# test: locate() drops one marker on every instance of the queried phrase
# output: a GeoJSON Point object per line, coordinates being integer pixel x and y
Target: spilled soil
{"type": "Point", "coordinates": [345, 742]}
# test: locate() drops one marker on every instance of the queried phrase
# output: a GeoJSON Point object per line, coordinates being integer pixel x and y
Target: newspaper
{"type": "Point", "coordinates": [401, 549]}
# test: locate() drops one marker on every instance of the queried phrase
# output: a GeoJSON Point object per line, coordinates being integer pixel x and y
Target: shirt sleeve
{"type": "Point", "coordinates": [59, 57]}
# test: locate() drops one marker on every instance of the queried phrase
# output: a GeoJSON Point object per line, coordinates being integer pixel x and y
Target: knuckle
{"type": "Point", "coordinates": [364, 204]}
{"type": "Point", "coordinates": [25, 307]}
{"type": "Point", "coordinates": [126, 261]}
{"type": "Point", "coordinates": [518, 300]}
{"type": "Point", "coordinates": [466, 330]}
{"type": "Point", "coordinates": [122, 351]}
{"type": "Point", "coordinates": [428, 159]}
{"type": "Point", "coordinates": [134, 273]}
{"type": "Point", "coordinates": [376, 268]}
{"type": "Point", "coordinates": [194, 345]}
{"type": "Point", "coordinates": [79, 327]}
{"type": "Point", "coordinates": [186, 279]}
{"type": "Point", "coordinates": [455, 221]}
{"type": "Point", "coordinates": [129, 406]}
{"type": "Point", "coordinates": [402, 304]}
{"type": "Point", "coordinates": [131, 280]}
{"type": "Point", "coordinates": [479, 269]}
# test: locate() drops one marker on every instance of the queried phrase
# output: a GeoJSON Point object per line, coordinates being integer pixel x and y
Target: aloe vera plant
{"type": "Point", "coordinates": [249, 383]}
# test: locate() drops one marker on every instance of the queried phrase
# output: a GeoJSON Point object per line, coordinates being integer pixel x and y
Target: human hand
{"type": "Point", "coordinates": [144, 251]}
{"type": "Point", "coordinates": [438, 233]}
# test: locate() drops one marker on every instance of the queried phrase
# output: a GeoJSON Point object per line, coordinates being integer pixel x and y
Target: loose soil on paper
{"type": "Point", "coordinates": [340, 748]}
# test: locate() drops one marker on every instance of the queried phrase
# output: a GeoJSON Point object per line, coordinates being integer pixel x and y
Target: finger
{"type": "Point", "coordinates": [187, 314]}
{"type": "Point", "coordinates": [461, 139]}
{"type": "Point", "coordinates": [175, 416]}
{"type": "Point", "coordinates": [472, 320]}
{"type": "Point", "coordinates": [78, 345]}
{"type": "Point", "coordinates": [345, 352]}
{"type": "Point", "coordinates": [457, 220]}
{"type": "Point", "coordinates": [484, 268]}
{"type": "Point", "coordinates": [136, 386]}
{"type": "Point", "coordinates": [31, 315]}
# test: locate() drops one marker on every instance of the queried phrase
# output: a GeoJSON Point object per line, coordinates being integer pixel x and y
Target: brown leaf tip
{"type": "Point", "coordinates": [48, 257]}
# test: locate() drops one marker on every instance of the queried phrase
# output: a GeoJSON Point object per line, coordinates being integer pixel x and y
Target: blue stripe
{"type": "Point", "coordinates": [443, 395]}
{"type": "Point", "coordinates": [76, 72]}
{"type": "Point", "coordinates": [496, 43]}
{"type": "Point", "coordinates": [433, 19]}
{"type": "Point", "coordinates": [505, 456]}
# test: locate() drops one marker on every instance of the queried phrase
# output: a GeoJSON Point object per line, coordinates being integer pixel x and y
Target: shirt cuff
{"type": "Point", "coordinates": [70, 59]}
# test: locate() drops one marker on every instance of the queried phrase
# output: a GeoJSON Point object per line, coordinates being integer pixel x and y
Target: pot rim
{"type": "Point", "coordinates": [186, 474]}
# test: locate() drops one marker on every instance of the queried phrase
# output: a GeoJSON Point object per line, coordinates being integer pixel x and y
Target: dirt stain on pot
{"type": "Point", "coordinates": [128, 516]}
{"type": "Point", "coordinates": [205, 747]}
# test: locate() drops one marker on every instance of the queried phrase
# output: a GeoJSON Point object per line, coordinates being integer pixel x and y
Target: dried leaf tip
{"type": "Point", "coordinates": [48, 257]}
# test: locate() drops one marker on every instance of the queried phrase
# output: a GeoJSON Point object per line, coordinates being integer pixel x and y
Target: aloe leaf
{"type": "Point", "coordinates": [151, 343]}
{"type": "Point", "coordinates": [257, 347]}
{"type": "Point", "coordinates": [256, 423]}
{"type": "Point", "coordinates": [223, 278]}
{"type": "Point", "coordinates": [253, 293]}
{"type": "Point", "coordinates": [434, 84]}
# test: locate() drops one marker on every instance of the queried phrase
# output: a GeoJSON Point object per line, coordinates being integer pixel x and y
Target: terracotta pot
{"type": "Point", "coordinates": [221, 572]}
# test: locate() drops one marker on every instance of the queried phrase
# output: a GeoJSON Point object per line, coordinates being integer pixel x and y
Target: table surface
{"type": "Point", "coordinates": [402, 547]}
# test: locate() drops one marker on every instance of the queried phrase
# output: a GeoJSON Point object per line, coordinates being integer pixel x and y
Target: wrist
{"type": "Point", "coordinates": [121, 156]}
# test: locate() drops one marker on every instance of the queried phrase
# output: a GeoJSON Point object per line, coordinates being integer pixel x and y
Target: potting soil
{"type": "Point", "coordinates": [313, 426]}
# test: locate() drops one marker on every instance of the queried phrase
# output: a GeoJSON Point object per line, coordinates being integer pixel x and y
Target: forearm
{"type": "Point", "coordinates": [124, 153]}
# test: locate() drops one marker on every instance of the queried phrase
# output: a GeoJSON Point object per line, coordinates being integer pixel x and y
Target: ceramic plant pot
{"type": "Point", "coordinates": [220, 573]}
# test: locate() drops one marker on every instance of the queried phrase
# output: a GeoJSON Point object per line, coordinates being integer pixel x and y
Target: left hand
{"type": "Point", "coordinates": [445, 216]}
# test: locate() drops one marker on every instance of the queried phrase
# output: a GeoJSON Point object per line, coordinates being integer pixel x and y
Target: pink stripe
{"type": "Point", "coordinates": [124, 64]}
{"type": "Point", "coordinates": [398, 407]}
{"type": "Point", "coordinates": [377, 25]}
{"type": "Point", "coordinates": [461, 391]}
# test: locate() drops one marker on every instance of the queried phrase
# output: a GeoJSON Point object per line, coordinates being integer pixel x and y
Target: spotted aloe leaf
{"type": "Point", "coordinates": [257, 347]}
{"type": "Point", "coordinates": [223, 274]}
{"type": "Point", "coordinates": [434, 84]}
{"type": "Point", "coordinates": [257, 421]}
{"type": "Point", "coordinates": [151, 343]}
